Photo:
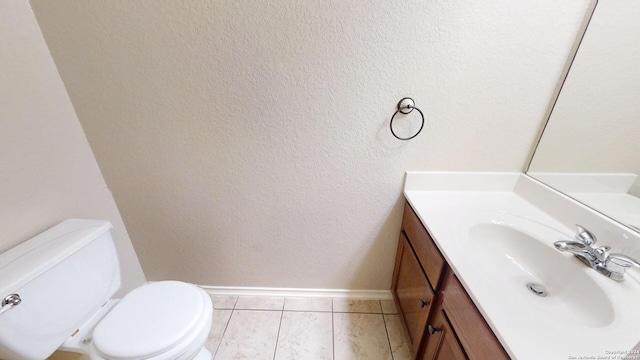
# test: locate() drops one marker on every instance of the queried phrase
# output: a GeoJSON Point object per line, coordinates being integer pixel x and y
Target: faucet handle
{"type": "Point", "coordinates": [617, 264]}
{"type": "Point", "coordinates": [584, 236]}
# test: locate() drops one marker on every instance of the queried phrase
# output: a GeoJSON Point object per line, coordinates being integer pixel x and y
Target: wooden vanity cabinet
{"type": "Point", "coordinates": [441, 320]}
{"type": "Point", "coordinates": [413, 293]}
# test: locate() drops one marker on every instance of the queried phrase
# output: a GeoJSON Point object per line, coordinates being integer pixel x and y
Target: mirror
{"type": "Point", "coordinates": [590, 147]}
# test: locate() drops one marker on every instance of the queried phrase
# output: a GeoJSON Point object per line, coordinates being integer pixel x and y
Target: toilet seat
{"type": "Point", "coordinates": [152, 320]}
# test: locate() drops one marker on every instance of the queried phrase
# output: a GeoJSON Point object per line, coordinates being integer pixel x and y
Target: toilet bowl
{"type": "Point", "coordinates": [66, 278]}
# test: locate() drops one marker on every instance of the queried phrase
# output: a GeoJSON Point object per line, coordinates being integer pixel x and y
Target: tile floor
{"type": "Point", "coordinates": [279, 328]}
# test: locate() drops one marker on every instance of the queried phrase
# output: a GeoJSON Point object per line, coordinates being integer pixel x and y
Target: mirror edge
{"type": "Point", "coordinates": [563, 77]}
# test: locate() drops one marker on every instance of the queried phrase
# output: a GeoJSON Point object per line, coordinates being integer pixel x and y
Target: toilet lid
{"type": "Point", "coordinates": [149, 320]}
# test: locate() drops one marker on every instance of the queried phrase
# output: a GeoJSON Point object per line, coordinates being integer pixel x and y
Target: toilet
{"type": "Point", "coordinates": [56, 291]}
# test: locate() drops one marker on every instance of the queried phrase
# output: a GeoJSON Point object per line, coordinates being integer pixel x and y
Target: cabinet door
{"type": "Point", "coordinates": [442, 343]}
{"type": "Point", "coordinates": [414, 294]}
{"type": "Point", "coordinates": [426, 250]}
{"type": "Point", "coordinates": [472, 330]}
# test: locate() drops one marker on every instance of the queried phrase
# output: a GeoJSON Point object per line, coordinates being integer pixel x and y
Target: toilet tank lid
{"type": "Point", "coordinates": [33, 257]}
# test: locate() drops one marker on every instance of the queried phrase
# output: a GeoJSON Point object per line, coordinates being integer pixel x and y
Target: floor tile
{"type": "Point", "coordinates": [218, 326]}
{"type": "Point", "coordinates": [223, 302]}
{"type": "Point", "coordinates": [397, 339]}
{"type": "Point", "coordinates": [260, 303]}
{"type": "Point", "coordinates": [305, 335]}
{"type": "Point", "coordinates": [360, 337]}
{"type": "Point", "coordinates": [250, 335]}
{"type": "Point", "coordinates": [64, 355]}
{"type": "Point", "coordinates": [388, 307]}
{"type": "Point", "coordinates": [307, 304]}
{"type": "Point", "coordinates": [357, 306]}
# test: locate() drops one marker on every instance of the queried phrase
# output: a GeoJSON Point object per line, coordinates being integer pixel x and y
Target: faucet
{"type": "Point", "coordinates": [611, 265]}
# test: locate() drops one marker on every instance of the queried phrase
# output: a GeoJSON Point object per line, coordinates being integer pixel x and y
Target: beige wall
{"type": "Point", "coordinates": [47, 170]}
{"type": "Point", "coordinates": [247, 142]}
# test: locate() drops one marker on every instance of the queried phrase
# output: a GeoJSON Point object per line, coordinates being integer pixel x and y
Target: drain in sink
{"type": "Point", "coordinates": [537, 289]}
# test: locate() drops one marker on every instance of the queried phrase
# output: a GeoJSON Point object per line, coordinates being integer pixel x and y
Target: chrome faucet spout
{"type": "Point", "coordinates": [581, 251]}
{"type": "Point", "coordinates": [570, 246]}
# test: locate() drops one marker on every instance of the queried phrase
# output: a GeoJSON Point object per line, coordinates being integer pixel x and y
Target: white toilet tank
{"type": "Point", "coordinates": [63, 276]}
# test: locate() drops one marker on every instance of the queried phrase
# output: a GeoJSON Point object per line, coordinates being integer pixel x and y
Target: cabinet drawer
{"type": "Point", "coordinates": [414, 295]}
{"type": "Point", "coordinates": [426, 250]}
{"type": "Point", "coordinates": [475, 335]}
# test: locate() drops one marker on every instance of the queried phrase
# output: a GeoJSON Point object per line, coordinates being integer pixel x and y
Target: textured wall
{"type": "Point", "coordinates": [47, 170]}
{"type": "Point", "coordinates": [247, 142]}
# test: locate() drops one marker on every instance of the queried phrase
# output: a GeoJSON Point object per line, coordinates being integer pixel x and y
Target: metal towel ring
{"type": "Point", "coordinates": [405, 106]}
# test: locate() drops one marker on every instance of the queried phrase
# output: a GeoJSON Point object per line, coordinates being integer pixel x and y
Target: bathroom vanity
{"type": "Point", "coordinates": [477, 276]}
{"type": "Point", "coordinates": [441, 320]}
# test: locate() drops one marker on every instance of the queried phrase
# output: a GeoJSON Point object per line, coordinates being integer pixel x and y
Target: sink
{"type": "Point", "coordinates": [521, 253]}
{"type": "Point", "coordinates": [496, 232]}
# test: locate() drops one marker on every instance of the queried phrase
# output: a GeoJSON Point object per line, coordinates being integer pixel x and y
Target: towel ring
{"type": "Point", "coordinates": [405, 106]}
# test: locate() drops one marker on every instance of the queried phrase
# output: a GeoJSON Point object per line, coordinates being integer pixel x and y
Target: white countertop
{"type": "Point", "coordinates": [585, 313]}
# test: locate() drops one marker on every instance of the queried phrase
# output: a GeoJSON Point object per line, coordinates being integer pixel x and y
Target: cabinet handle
{"type": "Point", "coordinates": [432, 329]}
{"type": "Point", "coordinates": [424, 303]}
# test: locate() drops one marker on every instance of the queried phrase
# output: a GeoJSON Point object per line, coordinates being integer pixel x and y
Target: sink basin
{"type": "Point", "coordinates": [521, 253]}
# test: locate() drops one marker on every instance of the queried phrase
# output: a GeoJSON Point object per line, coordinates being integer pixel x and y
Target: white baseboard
{"type": "Point", "coordinates": [298, 292]}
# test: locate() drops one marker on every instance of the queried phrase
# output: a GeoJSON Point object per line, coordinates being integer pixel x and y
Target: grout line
{"type": "Point", "coordinates": [333, 333]}
{"type": "Point", "coordinates": [223, 333]}
{"type": "Point", "coordinates": [321, 311]}
{"type": "Point", "coordinates": [357, 312]}
{"type": "Point", "coordinates": [386, 328]}
{"type": "Point", "coordinates": [275, 350]}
